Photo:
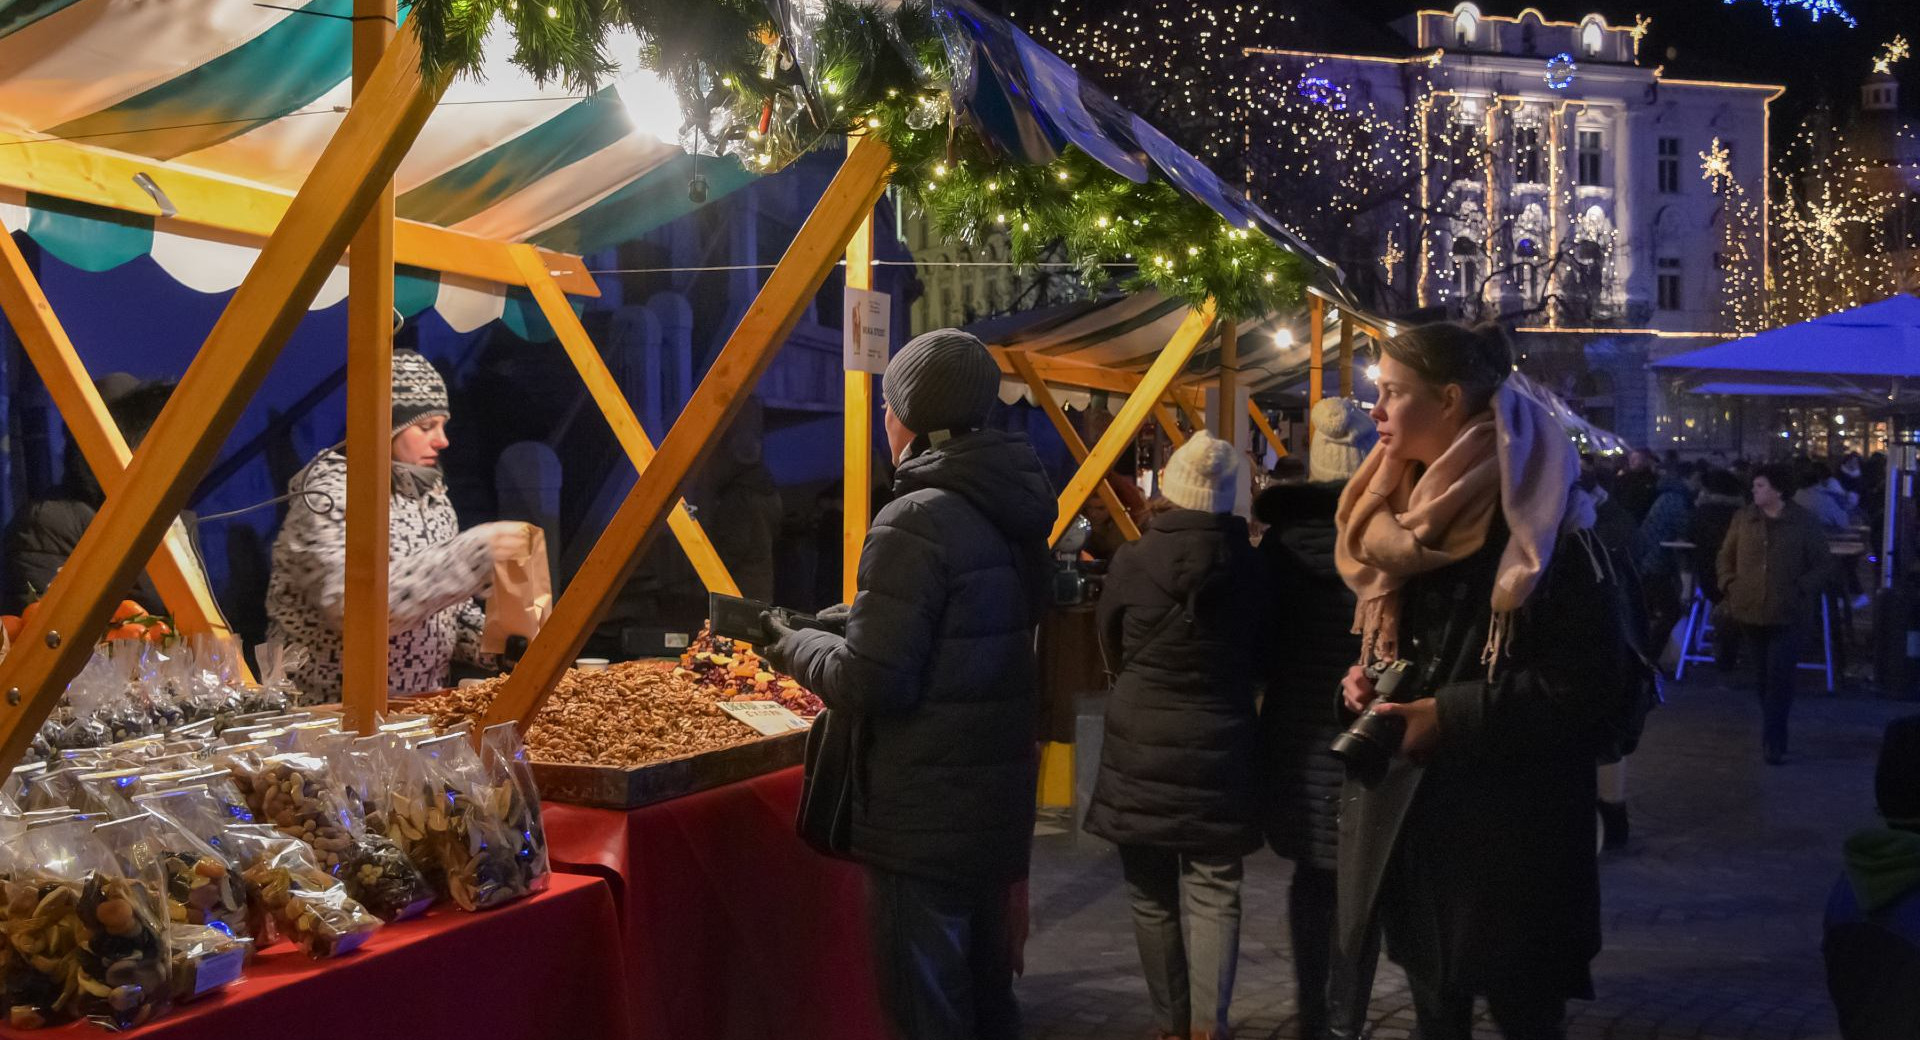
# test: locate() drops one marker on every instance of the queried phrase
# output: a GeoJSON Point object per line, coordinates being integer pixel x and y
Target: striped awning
{"type": "Point", "coordinates": [244, 95]}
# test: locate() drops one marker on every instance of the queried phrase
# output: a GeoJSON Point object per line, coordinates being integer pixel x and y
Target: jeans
{"type": "Point", "coordinates": [942, 958]}
{"type": "Point", "coordinates": [1447, 1013]}
{"type": "Point", "coordinates": [1310, 903]}
{"type": "Point", "coordinates": [1776, 657]}
{"type": "Point", "coordinates": [1186, 920]}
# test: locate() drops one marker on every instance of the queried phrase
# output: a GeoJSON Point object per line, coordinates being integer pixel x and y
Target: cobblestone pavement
{"type": "Point", "coordinates": [1712, 914]}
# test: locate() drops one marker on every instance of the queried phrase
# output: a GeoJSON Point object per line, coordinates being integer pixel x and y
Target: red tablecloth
{"type": "Point", "coordinates": [542, 968]}
{"type": "Point", "coordinates": [734, 929]}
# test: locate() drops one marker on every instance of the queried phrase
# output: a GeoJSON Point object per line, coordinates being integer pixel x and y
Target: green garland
{"type": "Point", "coordinates": [885, 74]}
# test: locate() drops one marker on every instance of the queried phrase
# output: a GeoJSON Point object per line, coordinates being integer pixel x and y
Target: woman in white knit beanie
{"type": "Point", "coordinates": [1343, 433]}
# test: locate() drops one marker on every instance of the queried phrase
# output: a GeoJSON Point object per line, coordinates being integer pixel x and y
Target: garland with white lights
{"type": "Point", "coordinates": [766, 88]}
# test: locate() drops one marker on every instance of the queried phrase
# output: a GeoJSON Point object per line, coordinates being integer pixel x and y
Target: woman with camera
{"type": "Point", "coordinates": [1470, 839]}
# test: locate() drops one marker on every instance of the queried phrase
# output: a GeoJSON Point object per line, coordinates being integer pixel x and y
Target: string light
{"type": "Point", "coordinates": [1716, 163]}
{"type": "Point", "coordinates": [1891, 53]}
{"type": "Point", "coordinates": [1815, 9]}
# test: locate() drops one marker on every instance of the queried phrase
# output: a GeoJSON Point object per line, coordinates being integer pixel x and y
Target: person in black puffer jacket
{"type": "Point", "coordinates": [937, 669]}
{"type": "Point", "coordinates": [1182, 621]}
{"type": "Point", "coordinates": [1313, 645]}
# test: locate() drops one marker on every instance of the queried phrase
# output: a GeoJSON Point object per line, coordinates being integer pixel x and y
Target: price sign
{"type": "Point", "coordinates": [867, 331]}
{"type": "Point", "coordinates": [768, 717]}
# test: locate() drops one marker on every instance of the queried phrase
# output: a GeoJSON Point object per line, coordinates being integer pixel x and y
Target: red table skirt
{"type": "Point", "coordinates": [733, 928]}
{"type": "Point", "coordinates": [541, 968]}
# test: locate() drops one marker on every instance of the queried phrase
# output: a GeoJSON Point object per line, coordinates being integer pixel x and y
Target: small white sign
{"type": "Point", "coordinates": [769, 717]}
{"type": "Point", "coordinates": [867, 331]}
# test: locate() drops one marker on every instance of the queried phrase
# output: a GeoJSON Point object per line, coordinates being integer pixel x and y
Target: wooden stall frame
{"type": "Point", "coordinates": [1154, 383]}
{"type": "Point", "coordinates": [1043, 396]}
{"type": "Point", "coordinates": [336, 199]}
{"type": "Point", "coordinates": [856, 477]}
{"type": "Point", "coordinates": [787, 292]}
{"type": "Point", "coordinates": [369, 539]}
{"type": "Point", "coordinates": [1229, 388]}
{"type": "Point", "coordinates": [627, 429]}
{"type": "Point", "coordinates": [1169, 424]}
{"type": "Point", "coordinates": [175, 567]}
{"type": "Point", "coordinates": [1266, 429]}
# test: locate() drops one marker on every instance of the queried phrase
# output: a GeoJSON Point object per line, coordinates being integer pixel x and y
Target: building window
{"type": "Point", "coordinates": [1668, 283]}
{"type": "Point", "coordinates": [1591, 38]}
{"type": "Point", "coordinates": [1465, 28]}
{"type": "Point", "coordinates": [1669, 165]}
{"type": "Point", "coordinates": [1588, 143]}
{"type": "Point", "coordinates": [1526, 154]}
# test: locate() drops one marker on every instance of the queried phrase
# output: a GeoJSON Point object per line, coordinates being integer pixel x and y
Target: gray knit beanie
{"type": "Point", "coordinates": [943, 380]}
{"type": "Point", "coordinates": [418, 390]}
{"type": "Point", "coordinates": [1204, 474]}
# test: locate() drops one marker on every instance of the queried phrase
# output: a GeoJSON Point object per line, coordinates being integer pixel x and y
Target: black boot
{"type": "Point", "coordinates": [1613, 823]}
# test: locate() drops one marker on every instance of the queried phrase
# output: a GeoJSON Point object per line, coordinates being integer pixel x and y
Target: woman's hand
{"type": "Point", "coordinates": [508, 539]}
{"type": "Point", "coordinates": [1423, 726]}
{"type": "Point", "coordinates": [1357, 690]}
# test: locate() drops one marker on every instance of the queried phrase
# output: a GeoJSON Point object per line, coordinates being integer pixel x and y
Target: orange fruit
{"type": "Point", "coordinates": [12, 625]}
{"type": "Point", "coordinates": [125, 632]}
{"type": "Point", "coordinates": [157, 632]}
{"type": "Point", "coordinates": [127, 609]}
{"type": "Point", "coordinates": [26, 612]}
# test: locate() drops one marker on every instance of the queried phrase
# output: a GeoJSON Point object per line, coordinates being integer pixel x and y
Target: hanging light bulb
{"type": "Point", "coordinates": [1283, 337]}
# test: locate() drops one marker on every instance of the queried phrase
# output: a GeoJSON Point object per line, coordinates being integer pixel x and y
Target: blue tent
{"type": "Point", "coordinates": [1866, 353]}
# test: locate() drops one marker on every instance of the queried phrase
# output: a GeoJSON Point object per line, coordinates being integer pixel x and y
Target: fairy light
{"type": "Point", "coordinates": [1816, 9]}
{"type": "Point", "coordinates": [1892, 53]}
{"type": "Point", "coordinates": [1716, 163]}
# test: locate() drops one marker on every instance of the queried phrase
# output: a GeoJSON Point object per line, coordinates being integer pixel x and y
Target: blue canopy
{"type": "Point", "coordinates": [1863, 352]}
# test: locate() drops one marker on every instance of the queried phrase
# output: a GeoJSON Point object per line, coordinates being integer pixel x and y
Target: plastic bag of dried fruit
{"type": "Point", "coordinates": [297, 794]}
{"type": "Point", "coordinates": [189, 838]}
{"type": "Point", "coordinates": [202, 892]}
{"type": "Point", "coordinates": [291, 898]}
{"type": "Point", "coordinates": [84, 940]}
{"type": "Point", "coordinates": [505, 754]}
{"type": "Point", "coordinates": [475, 823]}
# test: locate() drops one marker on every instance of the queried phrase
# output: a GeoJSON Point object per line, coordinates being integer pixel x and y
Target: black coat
{"type": "Point", "coordinates": [1312, 645]}
{"type": "Point", "coordinates": [1481, 864]}
{"type": "Point", "coordinates": [937, 664]}
{"type": "Point", "coordinates": [1712, 517]}
{"type": "Point", "coordinates": [1181, 622]}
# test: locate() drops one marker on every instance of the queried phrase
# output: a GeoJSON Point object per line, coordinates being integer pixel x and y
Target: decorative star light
{"type": "Point", "coordinates": [1716, 164]}
{"type": "Point", "coordinates": [1321, 91]}
{"type": "Point", "coordinates": [1815, 9]}
{"type": "Point", "coordinates": [1560, 70]}
{"type": "Point", "coordinates": [1890, 55]}
{"type": "Point", "coordinates": [1641, 23]}
{"type": "Point", "coordinates": [1391, 258]}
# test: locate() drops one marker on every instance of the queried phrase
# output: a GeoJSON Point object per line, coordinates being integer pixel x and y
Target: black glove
{"type": "Point", "coordinates": [834, 618]}
{"type": "Point", "coordinates": [779, 653]}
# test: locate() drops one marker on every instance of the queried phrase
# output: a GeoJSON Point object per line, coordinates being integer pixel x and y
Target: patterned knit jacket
{"type": "Point", "coordinates": [434, 574]}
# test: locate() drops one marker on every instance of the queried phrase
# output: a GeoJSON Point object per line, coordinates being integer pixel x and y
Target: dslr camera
{"type": "Point", "coordinates": [1369, 744]}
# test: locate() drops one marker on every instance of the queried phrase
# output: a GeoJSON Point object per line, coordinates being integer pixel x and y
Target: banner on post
{"type": "Point", "coordinates": [867, 331]}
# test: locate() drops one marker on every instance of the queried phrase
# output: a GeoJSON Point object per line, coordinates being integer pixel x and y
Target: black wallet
{"type": "Point", "coordinates": [745, 619]}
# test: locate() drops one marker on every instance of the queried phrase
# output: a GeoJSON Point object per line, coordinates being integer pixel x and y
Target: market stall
{"type": "Point", "coordinates": [924, 100]}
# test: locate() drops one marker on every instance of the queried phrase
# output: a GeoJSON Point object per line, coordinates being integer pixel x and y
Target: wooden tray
{"type": "Point", "coordinates": [611, 787]}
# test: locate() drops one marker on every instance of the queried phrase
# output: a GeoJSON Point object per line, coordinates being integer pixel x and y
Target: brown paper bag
{"type": "Point", "coordinates": [522, 595]}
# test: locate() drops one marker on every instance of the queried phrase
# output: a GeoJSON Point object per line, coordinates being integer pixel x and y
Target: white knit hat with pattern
{"type": "Point", "coordinates": [1204, 474]}
{"type": "Point", "coordinates": [1343, 433]}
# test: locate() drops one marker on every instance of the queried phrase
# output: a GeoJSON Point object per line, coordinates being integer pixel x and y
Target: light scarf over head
{"type": "Point", "coordinates": [1394, 524]}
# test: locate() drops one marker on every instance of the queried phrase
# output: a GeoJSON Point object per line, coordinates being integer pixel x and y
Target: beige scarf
{"type": "Point", "coordinates": [1393, 526]}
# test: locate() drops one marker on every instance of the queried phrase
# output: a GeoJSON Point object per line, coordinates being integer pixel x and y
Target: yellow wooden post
{"type": "Point", "coordinates": [1266, 429]}
{"type": "Point", "coordinates": [364, 628]}
{"type": "Point", "coordinates": [618, 411]}
{"type": "Point", "coordinates": [857, 436]}
{"type": "Point", "coordinates": [175, 568]}
{"type": "Point", "coordinates": [1316, 351]}
{"type": "Point", "coordinates": [1190, 408]}
{"type": "Point", "coordinates": [332, 204]}
{"type": "Point", "coordinates": [1346, 354]}
{"type": "Point", "coordinates": [1139, 405]}
{"type": "Point", "coordinates": [1229, 383]}
{"type": "Point", "coordinates": [1064, 426]}
{"type": "Point", "coordinates": [762, 329]}
{"type": "Point", "coordinates": [1164, 416]}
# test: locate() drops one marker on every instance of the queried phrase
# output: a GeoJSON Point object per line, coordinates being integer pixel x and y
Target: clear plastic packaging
{"type": "Point", "coordinates": [84, 939]}
{"type": "Point", "coordinates": [467, 814]}
{"type": "Point", "coordinates": [292, 898]}
{"type": "Point", "coordinates": [205, 959]}
{"type": "Point", "coordinates": [203, 884]}
{"type": "Point", "coordinates": [278, 663]}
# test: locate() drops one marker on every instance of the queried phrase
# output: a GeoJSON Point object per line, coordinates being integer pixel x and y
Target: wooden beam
{"type": "Point", "coordinates": [1164, 416]}
{"type": "Point", "coordinates": [1077, 374]}
{"type": "Point", "coordinates": [1266, 429]}
{"type": "Point", "coordinates": [363, 625]}
{"type": "Point", "coordinates": [1094, 468]}
{"type": "Point", "coordinates": [1316, 355]}
{"type": "Point", "coordinates": [1042, 396]}
{"type": "Point", "coordinates": [175, 568]}
{"type": "Point", "coordinates": [786, 294]}
{"type": "Point", "coordinates": [605, 391]}
{"type": "Point", "coordinates": [1346, 354]}
{"type": "Point", "coordinates": [264, 310]}
{"type": "Point", "coordinates": [856, 473]}
{"type": "Point", "coordinates": [1229, 387]}
{"type": "Point", "coordinates": [240, 213]}
{"type": "Point", "coordinates": [1190, 407]}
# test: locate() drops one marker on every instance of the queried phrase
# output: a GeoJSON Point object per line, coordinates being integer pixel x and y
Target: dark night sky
{"type": "Point", "coordinates": [1709, 38]}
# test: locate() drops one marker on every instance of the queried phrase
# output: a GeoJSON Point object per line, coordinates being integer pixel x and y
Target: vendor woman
{"type": "Point", "coordinates": [435, 570]}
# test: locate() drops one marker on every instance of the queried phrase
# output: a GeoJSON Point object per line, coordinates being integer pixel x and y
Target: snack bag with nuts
{"type": "Point", "coordinates": [203, 884]}
{"type": "Point", "coordinates": [278, 663]}
{"type": "Point", "coordinates": [478, 826]}
{"type": "Point", "coordinates": [83, 939]}
{"type": "Point", "coordinates": [505, 754]}
{"type": "Point", "coordinates": [204, 894]}
{"type": "Point", "coordinates": [291, 898]}
{"type": "Point", "coordinates": [296, 794]}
